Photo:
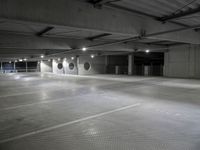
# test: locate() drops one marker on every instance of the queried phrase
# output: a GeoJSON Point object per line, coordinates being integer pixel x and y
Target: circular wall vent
{"type": "Point", "coordinates": [60, 65]}
{"type": "Point", "coordinates": [71, 66]}
{"type": "Point", "coordinates": [87, 66]}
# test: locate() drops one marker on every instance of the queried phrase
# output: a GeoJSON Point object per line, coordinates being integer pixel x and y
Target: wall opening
{"type": "Point", "coordinates": [149, 64]}
{"type": "Point", "coordinates": [117, 64]}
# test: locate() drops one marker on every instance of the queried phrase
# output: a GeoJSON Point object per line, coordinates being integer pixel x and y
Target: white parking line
{"type": "Point", "coordinates": [68, 123]}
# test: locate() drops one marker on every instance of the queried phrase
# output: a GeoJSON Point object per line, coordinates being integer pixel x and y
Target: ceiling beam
{"type": "Point", "coordinates": [44, 31]}
{"type": "Point", "coordinates": [157, 42]}
{"type": "Point", "coordinates": [141, 13]}
{"type": "Point", "coordinates": [100, 3]}
{"type": "Point", "coordinates": [130, 10]}
{"type": "Point", "coordinates": [155, 35]}
{"type": "Point", "coordinates": [92, 38]}
{"type": "Point", "coordinates": [81, 15]}
{"type": "Point", "coordinates": [180, 14]}
{"type": "Point", "coordinates": [62, 45]}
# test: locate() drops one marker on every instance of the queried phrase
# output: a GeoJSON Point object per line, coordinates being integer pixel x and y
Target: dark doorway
{"type": "Point", "coordinates": [149, 63]}
{"type": "Point", "coordinates": [119, 62]}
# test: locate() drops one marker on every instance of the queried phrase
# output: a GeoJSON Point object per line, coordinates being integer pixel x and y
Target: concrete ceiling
{"type": "Point", "coordinates": [53, 28]}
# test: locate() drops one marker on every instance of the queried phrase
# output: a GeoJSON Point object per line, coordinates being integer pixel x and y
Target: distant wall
{"type": "Point", "coordinates": [56, 70]}
{"type": "Point", "coordinates": [97, 65]}
{"type": "Point", "coordinates": [119, 62]}
{"type": "Point", "coordinates": [77, 65]}
{"type": "Point", "coordinates": [183, 61]}
{"type": "Point", "coordinates": [46, 66]}
{"type": "Point", "coordinates": [70, 66]}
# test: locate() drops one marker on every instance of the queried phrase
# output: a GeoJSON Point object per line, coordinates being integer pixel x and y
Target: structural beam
{"type": "Point", "coordinates": [99, 3]}
{"type": "Point", "coordinates": [43, 32]}
{"type": "Point", "coordinates": [180, 14]}
{"type": "Point", "coordinates": [81, 15]}
{"type": "Point", "coordinates": [141, 13]}
{"type": "Point", "coordinates": [16, 41]}
{"type": "Point", "coordinates": [98, 36]}
{"type": "Point", "coordinates": [1, 66]}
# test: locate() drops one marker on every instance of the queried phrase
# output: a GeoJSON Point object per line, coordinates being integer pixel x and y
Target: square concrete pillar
{"type": "Point", "coordinates": [1, 65]}
{"type": "Point", "coordinates": [130, 64]}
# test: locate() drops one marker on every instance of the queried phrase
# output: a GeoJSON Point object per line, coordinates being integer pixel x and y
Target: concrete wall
{"type": "Point", "coordinates": [97, 65]}
{"type": "Point", "coordinates": [55, 63]}
{"type": "Point", "coordinates": [68, 61]}
{"type": "Point", "coordinates": [65, 62]}
{"type": "Point", "coordinates": [46, 66]}
{"type": "Point", "coordinates": [183, 61]}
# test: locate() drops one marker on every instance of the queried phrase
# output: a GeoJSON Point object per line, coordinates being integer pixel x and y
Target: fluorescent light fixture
{"type": "Point", "coordinates": [92, 56]}
{"type": "Point", "coordinates": [20, 60]}
{"type": "Point", "coordinates": [84, 49]}
{"type": "Point", "coordinates": [147, 51]}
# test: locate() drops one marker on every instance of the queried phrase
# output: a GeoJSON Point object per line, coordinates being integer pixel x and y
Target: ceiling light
{"type": "Point", "coordinates": [42, 56]}
{"type": "Point", "coordinates": [25, 59]}
{"type": "Point", "coordinates": [20, 60]}
{"type": "Point", "coordinates": [84, 49]}
{"type": "Point", "coordinates": [92, 56]}
{"type": "Point", "coordinates": [10, 62]}
{"type": "Point", "coordinates": [147, 51]}
{"type": "Point", "coordinates": [72, 58]}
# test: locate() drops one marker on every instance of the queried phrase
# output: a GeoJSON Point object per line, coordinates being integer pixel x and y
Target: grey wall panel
{"type": "Point", "coordinates": [67, 62]}
{"type": "Point", "coordinates": [97, 65]}
{"type": "Point", "coordinates": [65, 69]}
{"type": "Point", "coordinates": [56, 70]}
{"type": "Point", "coordinates": [183, 61]}
{"type": "Point", "coordinates": [46, 66]}
{"type": "Point", "coordinates": [197, 61]}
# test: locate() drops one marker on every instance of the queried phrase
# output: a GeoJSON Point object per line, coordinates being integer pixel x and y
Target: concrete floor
{"type": "Point", "coordinates": [49, 112]}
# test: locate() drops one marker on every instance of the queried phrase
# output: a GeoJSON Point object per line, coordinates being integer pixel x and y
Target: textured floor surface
{"type": "Point", "coordinates": [104, 112]}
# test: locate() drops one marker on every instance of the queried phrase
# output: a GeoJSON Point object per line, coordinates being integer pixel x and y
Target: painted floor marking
{"type": "Point", "coordinates": [68, 123]}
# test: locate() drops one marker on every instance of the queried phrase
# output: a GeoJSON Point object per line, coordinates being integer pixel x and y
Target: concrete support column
{"type": "Point", "coordinates": [106, 63]}
{"type": "Point", "coordinates": [151, 70]}
{"type": "Point", "coordinates": [1, 65]}
{"type": "Point", "coordinates": [26, 67]}
{"type": "Point", "coordinates": [166, 69]}
{"type": "Point", "coordinates": [14, 66]}
{"type": "Point", "coordinates": [40, 68]}
{"type": "Point", "coordinates": [77, 63]}
{"type": "Point", "coordinates": [130, 64]}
